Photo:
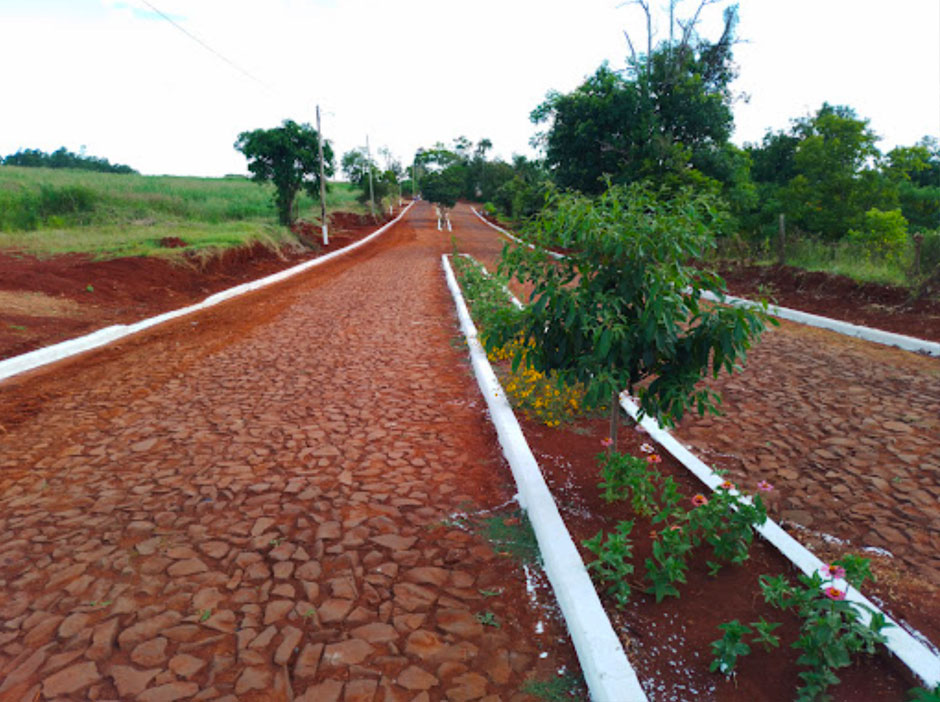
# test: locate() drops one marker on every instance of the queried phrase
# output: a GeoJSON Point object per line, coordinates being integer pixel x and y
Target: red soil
{"type": "Point", "coordinates": [868, 304]}
{"type": "Point", "coordinates": [124, 290]}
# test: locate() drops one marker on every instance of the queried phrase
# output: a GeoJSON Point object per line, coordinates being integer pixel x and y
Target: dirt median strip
{"type": "Point", "coordinates": [607, 671]}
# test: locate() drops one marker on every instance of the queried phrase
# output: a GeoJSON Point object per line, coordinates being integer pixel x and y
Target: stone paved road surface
{"type": "Point", "coordinates": [253, 504]}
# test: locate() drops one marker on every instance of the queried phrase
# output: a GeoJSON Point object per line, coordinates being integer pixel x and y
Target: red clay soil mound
{"type": "Point", "coordinates": [44, 301]}
{"type": "Point", "coordinates": [879, 306]}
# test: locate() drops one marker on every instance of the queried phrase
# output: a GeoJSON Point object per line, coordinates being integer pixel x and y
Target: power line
{"type": "Point", "coordinates": [203, 44]}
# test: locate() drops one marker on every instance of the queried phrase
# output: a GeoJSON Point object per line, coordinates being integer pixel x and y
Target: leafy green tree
{"type": "Point", "coordinates": [443, 188]}
{"type": "Point", "coordinates": [288, 157]}
{"type": "Point", "coordinates": [916, 172]}
{"type": "Point", "coordinates": [621, 310]}
{"type": "Point", "coordinates": [356, 165]}
{"type": "Point", "coordinates": [669, 112]}
{"type": "Point", "coordinates": [836, 179]}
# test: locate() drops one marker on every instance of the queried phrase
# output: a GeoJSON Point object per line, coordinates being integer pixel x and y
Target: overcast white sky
{"type": "Point", "coordinates": [114, 76]}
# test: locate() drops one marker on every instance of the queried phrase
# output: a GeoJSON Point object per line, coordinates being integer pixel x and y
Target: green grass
{"type": "Point", "coordinates": [845, 259]}
{"type": "Point", "coordinates": [511, 533]}
{"type": "Point", "coordinates": [51, 211]}
{"type": "Point", "coordinates": [560, 689]}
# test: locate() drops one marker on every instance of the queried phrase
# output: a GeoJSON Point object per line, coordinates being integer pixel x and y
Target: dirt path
{"type": "Point", "coordinates": [847, 431]}
{"type": "Point", "coordinates": [254, 503]}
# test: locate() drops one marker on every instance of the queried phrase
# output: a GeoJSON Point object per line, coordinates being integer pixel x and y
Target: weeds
{"type": "Point", "coordinates": [513, 536]}
{"type": "Point", "coordinates": [560, 689]}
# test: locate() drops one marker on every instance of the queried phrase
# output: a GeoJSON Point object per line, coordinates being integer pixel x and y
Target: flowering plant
{"type": "Point", "coordinates": [832, 627]}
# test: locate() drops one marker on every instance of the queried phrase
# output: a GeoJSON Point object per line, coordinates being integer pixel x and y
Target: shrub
{"type": "Point", "coordinates": [884, 235]}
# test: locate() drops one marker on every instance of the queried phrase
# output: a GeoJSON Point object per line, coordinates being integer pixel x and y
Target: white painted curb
{"type": "Point", "coordinates": [102, 337]}
{"type": "Point", "coordinates": [915, 654]}
{"type": "Point", "coordinates": [607, 672]}
{"type": "Point", "coordinates": [516, 239]}
{"type": "Point", "coordinates": [908, 343]}
{"type": "Point", "coordinates": [877, 336]}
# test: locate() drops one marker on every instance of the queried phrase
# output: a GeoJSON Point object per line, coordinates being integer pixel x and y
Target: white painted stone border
{"type": "Point", "coordinates": [916, 655]}
{"type": "Point", "coordinates": [102, 337]}
{"type": "Point", "coordinates": [607, 672]}
{"type": "Point", "coordinates": [878, 336]}
{"type": "Point", "coordinates": [922, 661]}
{"type": "Point", "coordinates": [516, 239]}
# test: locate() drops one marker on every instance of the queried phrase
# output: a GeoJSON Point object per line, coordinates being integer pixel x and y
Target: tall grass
{"type": "Point", "coordinates": [48, 211]}
{"type": "Point", "coordinates": [846, 258]}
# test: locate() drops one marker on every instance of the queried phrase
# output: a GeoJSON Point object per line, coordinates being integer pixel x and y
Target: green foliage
{"type": "Point", "coordinates": [52, 205]}
{"type": "Point", "coordinates": [725, 523]}
{"type": "Point", "coordinates": [443, 188]}
{"type": "Point", "coordinates": [922, 694]}
{"type": "Point", "coordinates": [731, 645]}
{"type": "Point", "coordinates": [612, 565]}
{"type": "Point", "coordinates": [110, 215]}
{"type": "Point", "coordinates": [537, 394]}
{"type": "Point", "coordinates": [512, 535]}
{"type": "Point", "coordinates": [558, 689]}
{"type": "Point", "coordinates": [831, 631]}
{"type": "Point", "coordinates": [62, 158]}
{"type": "Point", "coordinates": [626, 477]}
{"type": "Point", "coordinates": [623, 306]}
{"type": "Point", "coordinates": [883, 236]}
{"type": "Point", "coordinates": [288, 157]}
{"type": "Point", "coordinates": [670, 111]}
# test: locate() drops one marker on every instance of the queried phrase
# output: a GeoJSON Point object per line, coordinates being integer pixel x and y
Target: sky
{"type": "Point", "coordinates": [119, 79]}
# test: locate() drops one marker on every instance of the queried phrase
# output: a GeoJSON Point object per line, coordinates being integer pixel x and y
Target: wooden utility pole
{"type": "Point", "coordinates": [782, 240]}
{"type": "Point", "coordinates": [326, 239]}
{"type": "Point", "coordinates": [371, 192]}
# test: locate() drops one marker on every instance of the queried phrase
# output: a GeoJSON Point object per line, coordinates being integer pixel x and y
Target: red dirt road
{"type": "Point", "coordinates": [254, 503]}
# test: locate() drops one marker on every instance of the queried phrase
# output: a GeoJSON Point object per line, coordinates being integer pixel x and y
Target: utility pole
{"type": "Point", "coordinates": [371, 192]}
{"type": "Point", "coordinates": [326, 239]}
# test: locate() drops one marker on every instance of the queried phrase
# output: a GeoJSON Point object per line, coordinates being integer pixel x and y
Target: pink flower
{"type": "Point", "coordinates": [699, 500]}
{"type": "Point", "coordinates": [834, 593]}
{"type": "Point", "coordinates": [764, 486]}
{"type": "Point", "coordinates": [607, 442]}
{"type": "Point", "coordinates": [639, 429]}
{"type": "Point", "coordinates": [654, 458]}
{"type": "Point", "coordinates": [647, 448]}
{"type": "Point", "coordinates": [834, 571]}
{"type": "Point", "coordinates": [727, 485]}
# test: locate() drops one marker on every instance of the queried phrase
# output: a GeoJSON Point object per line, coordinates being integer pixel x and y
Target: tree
{"type": "Point", "coordinates": [668, 113]}
{"type": "Point", "coordinates": [356, 164]}
{"type": "Point", "coordinates": [836, 178]}
{"type": "Point", "coordinates": [621, 310]}
{"type": "Point", "coordinates": [915, 170]}
{"type": "Point", "coordinates": [443, 188]}
{"type": "Point", "coordinates": [286, 156]}
{"type": "Point", "coordinates": [63, 158]}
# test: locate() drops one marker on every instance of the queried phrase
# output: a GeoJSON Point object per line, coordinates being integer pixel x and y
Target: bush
{"type": "Point", "coordinates": [884, 235]}
{"type": "Point", "coordinates": [930, 251]}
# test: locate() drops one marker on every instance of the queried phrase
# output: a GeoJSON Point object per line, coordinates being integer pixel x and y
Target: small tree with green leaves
{"type": "Point", "coordinates": [622, 309]}
{"type": "Point", "coordinates": [286, 156]}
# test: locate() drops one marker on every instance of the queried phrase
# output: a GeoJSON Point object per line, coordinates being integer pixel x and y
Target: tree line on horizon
{"type": "Point", "coordinates": [63, 158]}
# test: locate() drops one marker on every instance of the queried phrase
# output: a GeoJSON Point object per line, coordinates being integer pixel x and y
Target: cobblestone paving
{"type": "Point", "coordinates": [267, 518]}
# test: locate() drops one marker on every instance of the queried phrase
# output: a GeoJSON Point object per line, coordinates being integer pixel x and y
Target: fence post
{"type": "Point", "coordinates": [782, 240]}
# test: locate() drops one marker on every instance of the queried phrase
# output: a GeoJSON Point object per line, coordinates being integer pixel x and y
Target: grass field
{"type": "Point", "coordinates": [50, 211]}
